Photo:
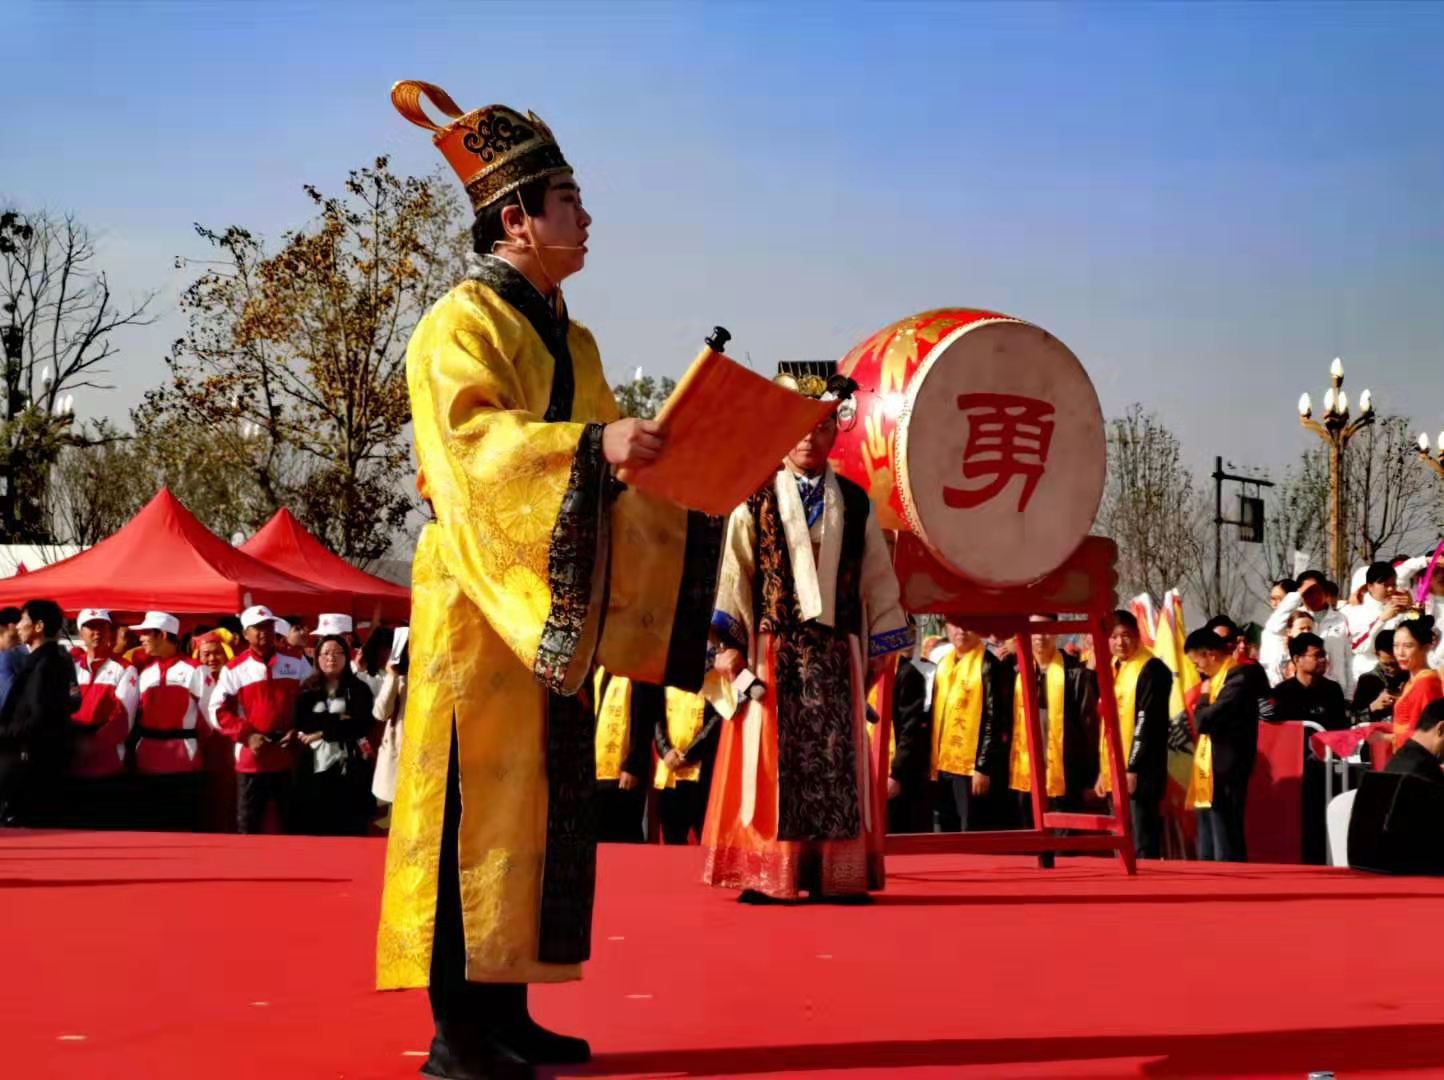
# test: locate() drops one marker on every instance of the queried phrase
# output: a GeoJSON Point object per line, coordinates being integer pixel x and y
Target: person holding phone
{"type": "Point", "coordinates": [1330, 624]}
{"type": "Point", "coordinates": [1379, 608]}
{"type": "Point", "coordinates": [389, 710]}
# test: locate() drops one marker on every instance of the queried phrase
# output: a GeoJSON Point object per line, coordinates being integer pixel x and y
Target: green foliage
{"type": "Point", "coordinates": [643, 396]}
{"type": "Point", "coordinates": [302, 351]}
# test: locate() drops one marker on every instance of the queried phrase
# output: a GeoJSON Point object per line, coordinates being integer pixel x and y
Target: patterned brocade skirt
{"type": "Point", "coordinates": [793, 808]}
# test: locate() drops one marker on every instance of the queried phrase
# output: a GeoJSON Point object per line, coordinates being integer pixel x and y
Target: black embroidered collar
{"type": "Point", "coordinates": [511, 285]}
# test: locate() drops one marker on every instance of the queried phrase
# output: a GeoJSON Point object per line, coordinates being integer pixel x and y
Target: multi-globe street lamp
{"type": "Point", "coordinates": [1336, 429]}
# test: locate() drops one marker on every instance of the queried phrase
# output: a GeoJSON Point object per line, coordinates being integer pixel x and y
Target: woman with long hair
{"type": "Point", "coordinates": [1413, 639]}
{"type": "Point", "coordinates": [333, 720]}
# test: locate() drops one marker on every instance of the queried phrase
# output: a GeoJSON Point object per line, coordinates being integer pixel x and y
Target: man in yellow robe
{"type": "Point", "coordinates": [537, 566]}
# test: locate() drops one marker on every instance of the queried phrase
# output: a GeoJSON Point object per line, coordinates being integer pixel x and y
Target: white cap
{"type": "Point", "coordinates": [332, 624]}
{"type": "Point", "coordinates": [93, 614]}
{"type": "Point", "coordinates": [158, 620]}
{"type": "Point", "coordinates": [1359, 580]}
{"type": "Point", "coordinates": [253, 616]}
{"type": "Point", "coordinates": [282, 628]}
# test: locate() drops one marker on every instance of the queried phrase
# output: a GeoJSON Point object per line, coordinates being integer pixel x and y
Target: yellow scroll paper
{"type": "Point", "coordinates": [726, 431]}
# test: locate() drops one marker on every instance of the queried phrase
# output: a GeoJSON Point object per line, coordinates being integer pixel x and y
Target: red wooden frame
{"type": "Point", "coordinates": [1085, 586]}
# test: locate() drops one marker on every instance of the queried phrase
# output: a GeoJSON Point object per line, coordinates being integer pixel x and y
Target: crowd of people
{"type": "Point", "coordinates": [1369, 664]}
{"type": "Point", "coordinates": [259, 723]}
{"type": "Point", "coordinates": [254, 723]}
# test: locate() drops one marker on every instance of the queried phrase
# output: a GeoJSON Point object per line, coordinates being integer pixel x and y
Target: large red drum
{"type": "Point", "coordinates": [982, 435]}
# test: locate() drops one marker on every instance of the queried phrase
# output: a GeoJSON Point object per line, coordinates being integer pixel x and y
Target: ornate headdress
{"type": "Point", "coordinates": [808, 377]}
{"type": "Point", "coordinates": [494, 150]}
{"type": "Point", "coordinates": [819, 379]}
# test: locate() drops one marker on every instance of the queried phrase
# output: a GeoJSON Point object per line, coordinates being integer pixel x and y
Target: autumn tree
{"type": "Point", "coordinates": [1150, 507]}
{"type": "Point", "coordinates": [296, 359]}
{"type": "Point", "coordinates": [58, 318]}
{"type": "Point", "coordinates": [1390, 503]}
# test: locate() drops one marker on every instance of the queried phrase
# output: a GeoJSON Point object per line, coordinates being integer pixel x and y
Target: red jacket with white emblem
{"type": "Point", "coordinates": [255, 696]}
{"type": "Point", "coordinates": [108, 699]}
{"type": "Point", "coordinates": [170, 692]}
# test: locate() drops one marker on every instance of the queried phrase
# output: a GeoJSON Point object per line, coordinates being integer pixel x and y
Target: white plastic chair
{"type": "Point", "coordinates": [1338, 813]}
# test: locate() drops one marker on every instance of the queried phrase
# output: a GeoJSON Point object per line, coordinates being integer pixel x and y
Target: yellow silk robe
{"type": "Point", "coordinates": [530, 541]}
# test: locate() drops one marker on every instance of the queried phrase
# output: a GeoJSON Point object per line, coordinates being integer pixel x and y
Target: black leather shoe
{"type": "Point", "coordinates": [542, 1047]}
{"type": "Point", "coordinates": [529, 1039]}
{"type": "Point", "coordinates": [463, 1055]}
{"type": "Point", "coordinates": [752, 896]}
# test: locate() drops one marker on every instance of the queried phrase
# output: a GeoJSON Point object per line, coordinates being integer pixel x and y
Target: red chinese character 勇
{"type": "Point", "coordinates": [1008, 436]}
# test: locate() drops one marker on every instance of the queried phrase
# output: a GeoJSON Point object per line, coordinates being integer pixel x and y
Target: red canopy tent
{"type": "Point", "coordinates": [284, 542]}
{"type": "Point", "coordinates": [165, 559]}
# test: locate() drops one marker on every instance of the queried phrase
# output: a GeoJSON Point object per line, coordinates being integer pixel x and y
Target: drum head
{"type": "Point", "coordinates": [1000, 453]}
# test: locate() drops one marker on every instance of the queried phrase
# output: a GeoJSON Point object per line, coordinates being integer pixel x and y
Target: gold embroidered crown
{"type": "Point", "coordinates": [494, 150]}
{"type": "Point", "coordinates": [807, 377]}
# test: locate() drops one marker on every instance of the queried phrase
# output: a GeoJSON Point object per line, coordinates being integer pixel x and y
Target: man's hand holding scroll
{"type": "Point", "coordinates": [631, 442]}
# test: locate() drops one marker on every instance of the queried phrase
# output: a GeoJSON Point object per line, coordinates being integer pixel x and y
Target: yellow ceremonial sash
{"type": "Point", "coordinates": [686, 714]}
{"type": "Point", "coordinates": [1200, 786]}
{"type": "Point", "coordinates": [1020, 774]}
{"type": "Point", "coordinates": [613, 721]}
{"type": "Point", "coordinates": [1125, 692]}
{"type": "Point", "coordinates": [957, 712]}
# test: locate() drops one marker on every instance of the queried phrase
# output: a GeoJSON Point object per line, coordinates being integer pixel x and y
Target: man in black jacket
{"type": "Point", "coordinates": [1079, 720]}
{"type": "Point", "coordinates": [1143, 687]}
{"type": "Point", "coordinates": [1229, 715]}
{"type": "Point", "coordinates": [35, 723]}
{"type": "Point", "coordinates": [1309, 694]}
{"type": "Point", "coordinates": [626, 718]}
{"type": "Point", "coordinates": [1421, 755]}
{"type": "Point", "coordinates": [685, 769]}
{"type": "Point", "coordinates": [909, 808]}
{"type": "Point", "coordinates": [1397, 822]}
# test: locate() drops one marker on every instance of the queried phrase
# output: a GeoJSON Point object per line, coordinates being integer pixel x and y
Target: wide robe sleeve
{"type": "Point", "coordinates": [733, 618]}
{"type": "Point", "coordinates": [520, 501]}
{"type": "Point", "coordinates": [887, 626]}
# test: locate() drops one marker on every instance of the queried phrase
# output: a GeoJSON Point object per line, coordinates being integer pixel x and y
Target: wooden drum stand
{"type": "Point", "coordinates": [1083, 586]}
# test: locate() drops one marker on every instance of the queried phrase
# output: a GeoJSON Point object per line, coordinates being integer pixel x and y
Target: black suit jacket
{"type": "Point", "coordinates": [36, 718]}
{"type": "Point", "coordinates": [1413, 760]}
{"type": "Point", "coordinates": [1232, 721]}
{"type": "Point", "coordinates": [912, 723]}
{"type": "Point", "coordinates": [1148, 756]}
{"type": "Point", "coordinates": [1080, 720]}
{"type": "Point", "coordinates": [1323, 703]}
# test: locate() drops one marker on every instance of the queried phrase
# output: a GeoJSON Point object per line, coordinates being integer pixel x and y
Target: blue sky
{"type": "Point", "coordinates": [1208, 202]}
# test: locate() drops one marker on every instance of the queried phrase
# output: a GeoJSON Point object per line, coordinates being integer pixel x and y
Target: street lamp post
{"type": "Point", "coordinates": [1336, 429]}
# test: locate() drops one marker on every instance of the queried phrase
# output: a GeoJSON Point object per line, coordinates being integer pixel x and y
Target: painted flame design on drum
{"type": "Point", "coordinates": [982, 435]}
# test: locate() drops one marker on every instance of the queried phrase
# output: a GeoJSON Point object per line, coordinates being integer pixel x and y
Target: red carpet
{"type": "Point", "coordinates": [155, 956]}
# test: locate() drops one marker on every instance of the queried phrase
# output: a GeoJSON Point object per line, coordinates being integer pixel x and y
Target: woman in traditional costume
{"type": "Point", "coordinates": [807, 597]}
